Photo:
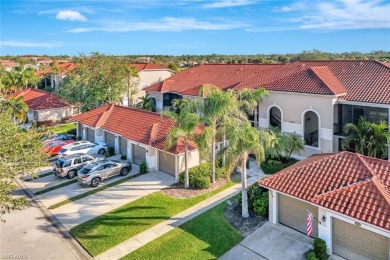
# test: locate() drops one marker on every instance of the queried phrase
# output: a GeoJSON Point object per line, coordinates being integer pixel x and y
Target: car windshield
{"type": "Point", "coordinates": [84, 170]}
{"type": "Point", "coordinates": [63, 150]}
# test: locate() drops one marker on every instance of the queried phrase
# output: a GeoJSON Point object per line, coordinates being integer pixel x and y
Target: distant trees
{"type": "Point", "coordinates": [17, 78]}
{"type": "Point", "coordinates": [16, 107]}
{"type": "Point", "coordinates": [96, 80]}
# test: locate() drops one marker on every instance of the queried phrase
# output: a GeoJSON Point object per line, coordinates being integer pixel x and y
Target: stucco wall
{"type": "Point", "coordinates": [55, 114]}
{"type": "Point", "coordinates": [293, 106]}
{"type": "Point", "coordinates": [193, 160]}
{"type": "Point", "coordinates": [159, 100]}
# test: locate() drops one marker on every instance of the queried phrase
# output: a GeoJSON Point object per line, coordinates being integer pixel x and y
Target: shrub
{"type": "Point", "coordinates": [271, 166]}
{"type": "Point", "coordinates": [260, 205]}
{"type": "Point", "coordinates": [79, 138]}
{"type": "Point", "coordinates": [199, 176]}
{"type": "Point", "coordinates": [311, 256]}
{"type": "Point", "coordinates": [110, 152]}
{"type": "Point", "coordinates": [72, 131]}
{"type": "Point", "coordinates": [143, 168]}
{"type": "Point", "coordinates": [319, 248]}
{"type": "Point", "coordinates": [45, 123]}
{"type": "Point", "coordinates": [123, 157]}
{"type": "Point", "coordinates": [201, 182]}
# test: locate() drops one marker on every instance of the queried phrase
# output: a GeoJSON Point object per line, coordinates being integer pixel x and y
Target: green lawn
{"type": "Point", "coordinates": [62, 129]}
{"type": "Point", "coordinates": [110, 229]}
{"type": "Point", "coordinates": [208, 236]}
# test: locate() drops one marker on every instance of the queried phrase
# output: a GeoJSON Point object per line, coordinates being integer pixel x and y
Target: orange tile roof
{"type": "Point", "coordinates": [362, 81]}
{"type": "Point", "coordinates": [39, 100]}
{"type": "Point", "coordinates": [148, 66]}
{"type": "Point", "coordinates": [63, 69]}
{"type": "Point", "coordinates": [351, 184]}
{"type": "Point", "coordinates": [134, 124]}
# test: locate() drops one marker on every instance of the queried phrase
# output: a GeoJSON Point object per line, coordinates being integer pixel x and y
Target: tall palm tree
{"type": "Point", "coordinates": [28, 77]}
{"type": "Point", "coordinates": [18, 109]}
{"type": "Point", "coordinates": [146, 103]}
{"type": "Point", "coordinates": [368, 138]}
{"type": "Point", "coordinates": [184, 130]}
{"type": "Point", "coordinates": [132, 82]}
{"type": "Point", "coordinates": [245, 140]}
{"type": "Point", "coordinates": [216, 108]}
{"type": "Point", "coordinates": [179, 104]}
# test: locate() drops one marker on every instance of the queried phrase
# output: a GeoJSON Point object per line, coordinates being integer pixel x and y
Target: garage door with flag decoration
{"type": "Point", "coordinates": [109, 139]}
{"type": "Point", "coordinates": [353, 242]}
{"type": "Point", "coordinates": [122, 146]}
{"type": "Point", "coordinates": [293, 213]}
{"type": "Point", "coordinates": [90, 135]}
{"type": "Point", "coordinates": [166, 162]}
{"type": "Point", "coordinates": [139, 154]}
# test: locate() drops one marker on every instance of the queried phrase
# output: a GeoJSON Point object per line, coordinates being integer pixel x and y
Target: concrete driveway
{"type": "Point", "coordinates": [274, 242]}
{"type": "Point", "coordinates": [80, 211]}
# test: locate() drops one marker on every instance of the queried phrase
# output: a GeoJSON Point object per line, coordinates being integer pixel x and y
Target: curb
{"type": "Point", "coordinates": [58, 228]}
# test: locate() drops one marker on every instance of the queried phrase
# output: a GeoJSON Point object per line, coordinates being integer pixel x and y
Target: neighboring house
{"type": "Point", "coordinates": [45, 106]}
{"type": "Point", "coordinates": [312, 98]}
{"type": "Point", "coordinates": [8, 64]}
{"type": "Point", "coordinates": [149, 74]}
{"type": "Point", "coordinates": [137, 134]}
{"type": "Point", "coordinates": [348, 193]}
{"type": "Point", "coordinates": [52, 79]}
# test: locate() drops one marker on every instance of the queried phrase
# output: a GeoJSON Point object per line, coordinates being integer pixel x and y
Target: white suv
{"type": "Point", "coordinates": [83, 147]}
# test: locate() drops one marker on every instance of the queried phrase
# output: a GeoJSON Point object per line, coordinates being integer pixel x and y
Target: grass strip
{"type": "Point", "coordinates": [103, 232]}
{"type": "Point", "coordinates": [62, 129]}
{"type": "Point", "coordinates": [83, 195]}
{"type": "Point", "coordinates": [207, 236]}
{"type": "Point", "coordinates": [55, 187]}
{"type": "Point", "coordinates": [39, 176]}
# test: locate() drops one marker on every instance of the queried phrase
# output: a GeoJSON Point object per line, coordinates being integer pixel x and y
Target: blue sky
{"type": "Point", "coordinates": [179, 27]}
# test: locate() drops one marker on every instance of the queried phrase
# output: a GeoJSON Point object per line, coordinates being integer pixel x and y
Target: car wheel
{"type": "Point", "coordinates": [124, 171]}
{"type": "Point", "coordinates": [71, 174]}
{"type": "Point", "coordinates": [95, 182]}
{"type": "Point", "coordinates": [102, 151]}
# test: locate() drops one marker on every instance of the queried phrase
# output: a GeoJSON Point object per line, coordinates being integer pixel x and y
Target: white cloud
{"type": "Point", "coordinates": [228, 3]}
{"type": "Point", "coordinates": [70, 15]}
{"type": "Point", "coordinates": [24, 44]}
{"type": "Point", "coordinates": [166, 24]}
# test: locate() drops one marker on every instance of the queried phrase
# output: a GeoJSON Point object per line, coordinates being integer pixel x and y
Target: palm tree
{"type": "Point", "coordinates": [132, 82]}
{"type": "Point", "coordinates": [28, 77]}
{"type": "Point", "coordinates": [294, 143]}
{"type": "Point", "coordinates": [368, 138]}
{"type": "Point", "coordinates": [184, 130]}
{"type": "Point", "coordinates": [146, 103]}
{"type": "Point", "coordinates": [17, 107]}
{"type": "Point", "coordinates": [179, 104]}
{"type": "Point", "coordinates": [245, 140]}
{"type": "Point", "coordinates": [216, 109]}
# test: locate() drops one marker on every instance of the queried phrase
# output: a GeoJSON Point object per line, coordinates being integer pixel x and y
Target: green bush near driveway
{"type": "Point", "coordinates": [207, 236]}
{"type": "Point", "coordinates": [110, 229]}
{"type": "Point", "coordinates": [200, 175]}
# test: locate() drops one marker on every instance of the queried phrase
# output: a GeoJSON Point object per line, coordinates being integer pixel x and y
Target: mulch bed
{"type": "Point", "coordinates": [177, 190]}
{"type": "Point", "coordinates": [244, 226]}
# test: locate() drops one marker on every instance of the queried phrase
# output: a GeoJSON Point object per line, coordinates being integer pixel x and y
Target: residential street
{"type": "Point", "coordinates": [28, 235]}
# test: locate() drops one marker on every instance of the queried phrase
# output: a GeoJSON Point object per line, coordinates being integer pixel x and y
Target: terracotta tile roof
{"type": "Point", "coordinates": [148, 66]}
{"type": "Point", "coordinates": [362, 81]}
{"type": "Point", "coordinates": [39, 100]}
{"type": "Point", "coordinates": [63, 69]}
{"type": "Point", "coordinates": [134, 124]}
{"type": "Point", "coordinates": [224, 76]}
{"type": "Point", "coordinates": [348, 183]}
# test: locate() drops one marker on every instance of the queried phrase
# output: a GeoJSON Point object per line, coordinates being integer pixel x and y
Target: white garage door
{"type": "Point", "coordinates": [353, 242]}
{"type": "Point", "coordinates": [139, 154]}
{"type": "Point", "coordinates": [90, 135]}
{"type": "Point", "coordinates": [109, 139]}
{"type": "Point", "coordinates": [293, 213]}
{"type": "Point", "coordinates": [166, 162]}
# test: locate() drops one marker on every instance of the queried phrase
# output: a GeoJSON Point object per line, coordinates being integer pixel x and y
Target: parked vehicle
{"type": "Point", "coordinates": [83, 147]}
{"type": "Point", "coordinates": [57, 137]}
{"type": "Point", "coordinates": [54, 147]}
{"type": "Point", "coordinates": [69, 165]}
{"type": "Point", "coordinates": [92, 174]}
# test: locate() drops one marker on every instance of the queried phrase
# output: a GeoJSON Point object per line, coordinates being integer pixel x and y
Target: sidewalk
{"type": "Point", "coordinates": [164, 227]}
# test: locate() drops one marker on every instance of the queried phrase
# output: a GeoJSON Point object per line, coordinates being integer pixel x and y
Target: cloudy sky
{"type": "Point", "coordinates": [193, 26]}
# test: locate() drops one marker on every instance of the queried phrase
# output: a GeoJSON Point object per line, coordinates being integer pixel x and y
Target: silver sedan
{"type": "Point", "coordinates": [92, 174]}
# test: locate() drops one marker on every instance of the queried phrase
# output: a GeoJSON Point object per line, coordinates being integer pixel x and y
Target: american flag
{"type": "Point", "coordinates": [309, 224]}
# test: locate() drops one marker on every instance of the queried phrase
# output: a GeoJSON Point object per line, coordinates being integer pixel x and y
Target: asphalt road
{"type": "Point", "coordinates": [28, 235]}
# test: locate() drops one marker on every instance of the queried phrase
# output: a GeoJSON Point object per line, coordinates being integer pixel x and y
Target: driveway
{"type": "Point", "coordinates": [80, 211]}
{"type": "Point", "coordinates": [274, 242]}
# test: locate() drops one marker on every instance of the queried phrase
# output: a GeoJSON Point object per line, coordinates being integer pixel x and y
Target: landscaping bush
{"type": "Point", "coordinates": [143, 168]}
{"type": "Point", "coordinates": [319, 248]}
{"type": "Point", "coordinates": [201, 182]}
{"type": "Point", "coordinates": [311, 255]}
{"type": "Point", "coordinates": [271, 166]}
{"type": "Point", "coordinates": [258, 200]}
{"type": "Point", "coordinates": [72, 131]}
{"type": "Point", "coordinates": [199, 175]}
{"type": "Point", "coordinates": [123, 157]}
{"type": "Point", "coordinates": [110, 152]}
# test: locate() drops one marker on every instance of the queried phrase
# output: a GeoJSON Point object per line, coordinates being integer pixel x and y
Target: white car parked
{"type": "Point", "coordinates": [83, 147]}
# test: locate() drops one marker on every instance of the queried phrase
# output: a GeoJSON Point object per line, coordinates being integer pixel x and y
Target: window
{"type": "Point", "coordinates": [87, 158]}
{"type": "Point", "coordinates": [275, 117]}
{"type": "Point", "coordinates": [100, 168]}
{"type": "Point", "coordinates": [77, 160]}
